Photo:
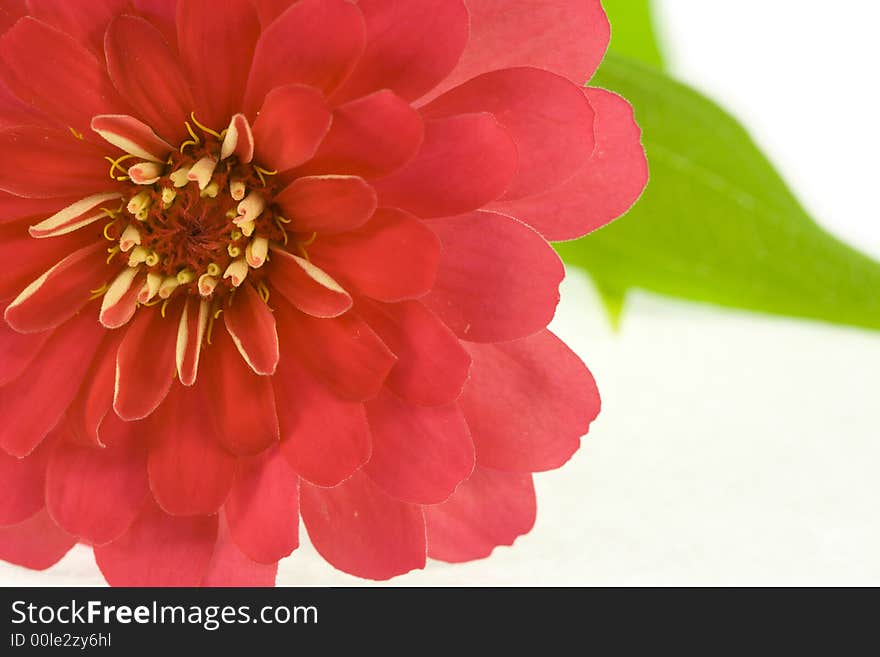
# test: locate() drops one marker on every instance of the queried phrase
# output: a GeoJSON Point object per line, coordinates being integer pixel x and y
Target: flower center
{"type": "Point", "coordinates": [200, 222]}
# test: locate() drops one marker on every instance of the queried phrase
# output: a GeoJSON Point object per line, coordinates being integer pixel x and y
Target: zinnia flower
{"type": "Point", "coordinates": [272, 259]}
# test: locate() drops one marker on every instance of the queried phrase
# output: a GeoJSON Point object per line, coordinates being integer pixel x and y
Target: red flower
{"type": "Point", "coordinates": [269, 259]}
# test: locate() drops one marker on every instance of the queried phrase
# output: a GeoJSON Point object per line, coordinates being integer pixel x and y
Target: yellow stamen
{"type": "Point", "coordinates": [99, 292]}
{"type": "Point", "coordinates": [76, 133]}
{"type": "Point", "coordinates": [117, 164]}
{"type": "Point", "coordinates": [204, 128]}
{"type": "Point", "coordinates": [112, 251]}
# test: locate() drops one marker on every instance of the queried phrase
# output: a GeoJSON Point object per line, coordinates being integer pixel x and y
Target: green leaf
{"type": "Point", "coordinates": [717, 223]}
{"type": "Point", "coordinates": [632, 30]}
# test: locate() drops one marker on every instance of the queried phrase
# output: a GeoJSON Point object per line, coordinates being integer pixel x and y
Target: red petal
{"type": "Point", "coordinates": [12, 10]}
{"type": "Point", "coordinates": [96, 493]}
{"type": "Point", "coordinates": [420, 454]}
{"type": "Point", "coordinates": [159, 550]}
{"type": "Point", "coordinates": [244, 414]}
{"type": "Point", "coordinates": [24, 484]}
{"type": "Point", "coordinates": [343, 352]}
{"type": "Point", "coordinates": [562, 36]}
{"type": "Point", "coordinates": [269, 10]}
{"type": "Point", "coordinates": [308, 287]}
{"type": "Point", "coordinates": [162, 14]}
{"type": "Point", "coordinates": [217, 40]}
{"type": "Point", "coordinates": [548, 117]}
{"type": "Point", "coordinates": [489, 509]}
{"type": "Point", "coordinates": [94, 400]}
{"type": "Point", "coordinates": [605, 188]}
{"type": "Point", "coordinates": [325, 204]}
{"type": "Point", "coordinates": [324, 438]}
{"type": "Point", "coordinates": [121, 299]}
{"type": "Point", "coordinates": [528, 403]}
{"type": "Point", "coordinates": [43, 163]}
{"type": "Point", "coordinates": [36, 543]}
{"type": "Point", "coordinates": [393, 258]}
{"type": "Point", "coordinates": [14, 208]}
{"type": "Point", "coordinates": [362, 531]}
{"type": "Point", "coordinates": [17, 351]}
{"type": "Point", "coordinates": [190, 474]}
{"type": "Point", "coordinates": [86, 22]}
{"type": "Point", "coordinates": [314, 42]}
{"type": "Point", "coordinates": [231, 567]}
{"type": "Point", "coordinates": [263, 508]}
{"type": "Point", "coordinates": [487, 298]}
{"type": "Point", "coordinates": [251, 324]}
{"type": "Point", "coordinates": [60, 293]}
{"type": "Point", "coordinates": [145, 365]}
{"type": "Point", "coordinates": [80, 214]}
{"type": "Point", "coordinates": [30, 411]}
{"type": "Point", "coordinates": [466, 162]}
{"type": "Point", "coordinates": [51, 71]}
{"type": "Point", "coordinates": [432, 366]}
{"type": "Point", "coordinates": [146, 72]}
{"type": "Point", "coordinates": [132, 136]}
{"type": "Point", "coordinates": [412, 45]}
{"type": "Point", "coordinates": [282, 143]}
{"type": "Point", "coordinates": [190, 335]}
{"type": "Point", "coordinates": [370, 137]}
{"type": "Point", "coordinates": [25, 258]}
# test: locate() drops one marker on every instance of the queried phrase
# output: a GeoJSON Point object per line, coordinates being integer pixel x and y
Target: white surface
{"type": "Point", "coordinates": [733, 448]}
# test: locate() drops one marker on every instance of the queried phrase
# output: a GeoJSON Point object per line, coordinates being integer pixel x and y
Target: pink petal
{"type": "Point", "coordinates": [371, 137]}
{"type": "Point", "coordinates": [159, 550]}
{"type": "Point", "coordinates": [486, 298]}
{"type": "Point", "coordinates": [343, 352]}
{"type": "Point", "coordinates": [466, 162]}
{"type": "Point", "coordinates": [548, 117]}
{"type": "Point", "coordinates": [217, 40]}
{"type": "Point", "coordinates": [146, 72]}
{"type": "Point", "coordinates": [43, 163]}
{"type": "Point", "coordinates": [324, 438]}
{"type": "Point", "coordinates": [308, 287]}
{"type": "Point", "coordinates": [17, 351]}
{"type": "Point", "coordinates": [605, 188]}
{"type": "Point", "coordinates": [420, 454]}
{"type": "Point", "coordinates": [394, 257]}
{"type": "Point", "coordinates": [283, 143]}
{"type": "Point", "coordinates": [84, 21]}
{"type": "Point", "coordinates": [251, 324]}
{"type": "Point", "coordinates": [24, 484]}
{"type": "Point", "coordinates": [30, 411]}
{"type": "Point", "coordinates": [325, 204]}
{"type": "Point", "coordinates": [230, 567]}
{"type": "Point", "coordinates": [562, 36]}
{"type": "Point", "coordinates": [411, 46]}
{"type": "Point", "coordinates": [96, 493]}
{"type": "Point", "coordinates": [263, 508]}
{"type": "Point", "coordinates": [244, 416]}
{"type": "Point", "coordinates": [528, 403]}
{"type": "Point", "coordinates": [432, 366]}
{"type": "Point", "coordinates": [53, 72]}
{"type": "Point", "coordinates": [314, 42]}
{"type": "Point", "coordinates": [60, 293]}
{"type": "Point", "coordinates": [36, 543]}
{"type": "Point", "coordinates": [489, 509]}
{"type": "Point", "coordinates": [362, 531]}
{"type": "Point", "coordinates": [145, 365]}
{"type": "Point", "coordinates": [190, 473]}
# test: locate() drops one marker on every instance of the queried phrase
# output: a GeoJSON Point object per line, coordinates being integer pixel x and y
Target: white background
{"type": "Point", "coordinates": [733, 448]}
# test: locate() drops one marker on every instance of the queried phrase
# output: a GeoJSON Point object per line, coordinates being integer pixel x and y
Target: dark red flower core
{"type": "Point", "coordinates": [198, 223]}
